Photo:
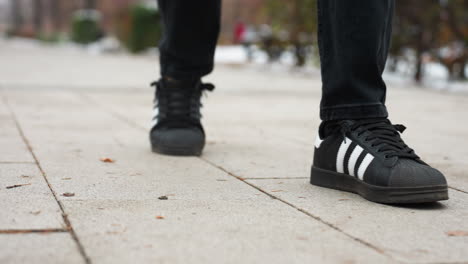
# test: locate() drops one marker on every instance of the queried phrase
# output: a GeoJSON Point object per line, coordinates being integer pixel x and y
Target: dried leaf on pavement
{"type": "Point", "coordinates": [17, 185]}
{"type": "Point", "coordinates": [457, 233]}
{"type": "Point", "coordinates": [107, 160]}
{"type": "Point", "coordinates": [68, 194]}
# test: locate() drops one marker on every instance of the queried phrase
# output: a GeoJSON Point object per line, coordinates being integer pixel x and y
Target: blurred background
{"type": "Point", "coordinates": [429, 44]}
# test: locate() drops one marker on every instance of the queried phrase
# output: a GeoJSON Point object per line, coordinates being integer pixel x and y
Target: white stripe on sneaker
{"type": "Point", "coordinates": [364, 165]}
{"type": "Point", "coordinates": [353, 159]}
{"type": "Point", "coordinates": [341, 154]}
{"type": "Point", "coordinates": [318, 141]}
{"type": "Point", "coordinates": [154, 120]}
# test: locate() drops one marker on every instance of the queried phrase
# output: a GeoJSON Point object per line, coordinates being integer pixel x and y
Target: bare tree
{"type": "Point", "coordinates": [15, 16]}
{"type": "Point", "coordinates": [90, 4]}
{"type": "Point", "coordinates": [38, 15]}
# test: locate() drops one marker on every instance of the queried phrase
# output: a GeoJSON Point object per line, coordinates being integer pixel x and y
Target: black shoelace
{"type": "Point", "coordinates": [383, 135]}
{"type": "Point", "coordinates": [179, 107]}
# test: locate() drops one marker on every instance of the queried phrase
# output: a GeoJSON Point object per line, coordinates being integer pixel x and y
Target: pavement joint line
{"type": "Point", "coordinates": [68, 87]}
{"type": "Point", "coordinates": [459, 190]}
{"type": "Point", "coordinates": [17, 162]}
{"type": "Point", "coordinates": [110, 111]}
{"type": "Point", "coordinates": [29, 231]}
{"type": "Point", "coordinates": [44, 175]}
{"type": "Point", "coordinates": [317, 218]}
{"type": "Point", "coordinates": [462, 262]}
{"type": "Point", "coordinates": [275, 178]}
{"type": "Point", "coordinates": [138, 126]}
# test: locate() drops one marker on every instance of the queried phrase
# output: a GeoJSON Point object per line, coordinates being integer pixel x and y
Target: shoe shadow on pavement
{"type": "Point", "coordinates": [422, 206]}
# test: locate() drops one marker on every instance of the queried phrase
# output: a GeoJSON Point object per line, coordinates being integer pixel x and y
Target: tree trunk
{"type": "Point", "coordinates": [90, 4]}
{"type": "Point", "coordinates": [299, 54]}
{"type": "Point", "coordinates": [462, 73]}
{"type": "Point", "coordinates": [56, 15]}
{"type": "Point", "coordinates": [16, 18]}
{"type": "Point", "coordinates": [38, 16]}
{"type": "Point", "coordinates": [418, 75]}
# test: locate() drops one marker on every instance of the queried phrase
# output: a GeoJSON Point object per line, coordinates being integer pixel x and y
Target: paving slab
{"type": "Point", "coordinates": [208, 215]}
{"type": "Point", "coordinates": [223, 229]}
{"type": "Point", "coordinates": [26, 200]}
{"type": "Point", "coordinates": [51, 248]}
{"type": "Point", "coordinates": [224, 145]}
{"type": "Point", "coordinates": [13, 147]}
{"type": "Point", "coordinates": [261, 124]}
{"type": "Point", "coordinates": [414, 234]}
{"type": "Point", "coordinates": [258, 154]}
{"type": "Point", "coordinates": [268, 133]}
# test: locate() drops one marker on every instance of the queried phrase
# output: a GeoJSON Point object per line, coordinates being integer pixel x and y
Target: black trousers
{"type": "Point", "coordinates": [354, 38]}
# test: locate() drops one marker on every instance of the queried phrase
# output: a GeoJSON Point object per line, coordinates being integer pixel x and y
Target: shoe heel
{"type": "Point", "coordinates": [334, 180]}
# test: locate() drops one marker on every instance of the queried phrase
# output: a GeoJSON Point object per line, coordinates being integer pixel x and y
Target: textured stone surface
{"type": "Point", "coordinates": [414, 233]}
{"type": "Point", "coordinates": [56, 248]}
{"type": "Point", "coordinates": [261, 125]}
{"type": "Point", "coordinates": [30, 205]}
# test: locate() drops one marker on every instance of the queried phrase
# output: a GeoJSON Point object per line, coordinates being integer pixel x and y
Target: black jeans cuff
{"type": "Point", "coordinates": [183, 70]}
{"type": "Point", "coordinates": [357, 111]}
{"type": "Point", "coordinates": [184, 75]}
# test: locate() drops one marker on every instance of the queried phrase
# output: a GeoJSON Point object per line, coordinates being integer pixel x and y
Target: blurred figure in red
{"type": "Point", "coordinates": [239, 31]}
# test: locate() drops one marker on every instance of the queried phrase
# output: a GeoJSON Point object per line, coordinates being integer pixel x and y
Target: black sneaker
{"type": "Point", "coordinates": [368, 157]}
{"type": "Point", "coordinates": [177, 129]}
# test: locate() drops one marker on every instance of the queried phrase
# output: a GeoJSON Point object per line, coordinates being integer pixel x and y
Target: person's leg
{"type": "Point", "coordinates": [190, 33]}
{"type": "Point", "coordinates": [358, 149]}
{"type": "Point", "coordinates": [354, 39]}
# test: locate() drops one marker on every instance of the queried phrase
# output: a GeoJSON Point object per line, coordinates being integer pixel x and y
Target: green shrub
{"type": "Point", "coordinates": [145, 28]}
{"type": "Point", "coordinates": [85, 26]}
{"type": "Point", "coordinates": [49, 38]}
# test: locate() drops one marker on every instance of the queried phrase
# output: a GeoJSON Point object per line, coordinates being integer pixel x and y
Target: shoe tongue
{"type": "Point", "coordinates": [330, 127]}
{"type": "Point", "coordinates": [179, 84]}
{"type": "Point", "coordinates": [327, 128]}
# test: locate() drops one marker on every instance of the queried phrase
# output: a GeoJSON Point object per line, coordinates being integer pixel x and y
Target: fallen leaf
{"type": "Point", "coordinates": [67, 194]}
{"type": "Point", "coordinates": [164, 197]}
{"type": "Point", "coordinates": [107, 160]}
{"type": "Point", "coordinates": [159, 217]}
{"type": "Point", "coordinates": [66, 179]}
{"type": "Point", "coordinates": [343, 199]}
{"type": "Point", "coordinates": [17, 185]}
{"type": "Point", "coordinates": [277, 191]}
{"type": "Point", "coordinates": [457, 233]}
{"type": "Point", "coordinates": [25, 176]}
{"type": "Point", "coordinates": [35, 212]}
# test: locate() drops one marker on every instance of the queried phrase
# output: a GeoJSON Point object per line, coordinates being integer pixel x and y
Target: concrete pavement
{"type": "Point", "coordinates": [246, 200]}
